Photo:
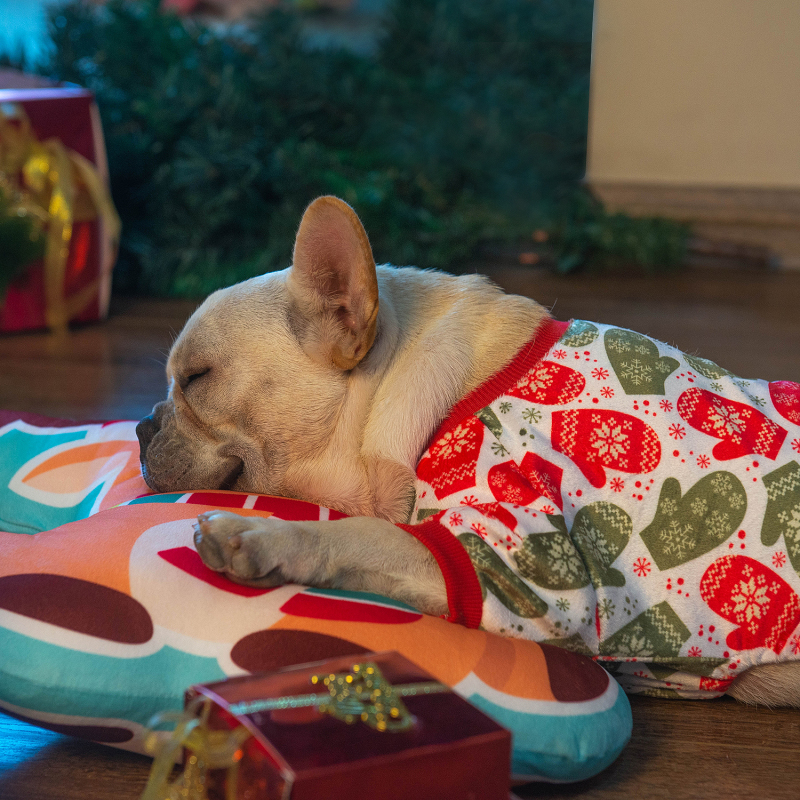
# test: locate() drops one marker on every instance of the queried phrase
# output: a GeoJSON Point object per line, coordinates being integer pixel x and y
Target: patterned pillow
{"type": "Point", "coordinates": [107, 613]}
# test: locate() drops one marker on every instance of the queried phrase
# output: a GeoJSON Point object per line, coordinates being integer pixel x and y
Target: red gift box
{"type": "Point", "coordinates": [60, 126]}
{"type": "Point", "coordinates": [372, 727]}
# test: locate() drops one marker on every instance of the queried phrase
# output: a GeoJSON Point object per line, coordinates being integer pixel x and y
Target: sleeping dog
{"type": "Point", "coordinates": [574, 483]}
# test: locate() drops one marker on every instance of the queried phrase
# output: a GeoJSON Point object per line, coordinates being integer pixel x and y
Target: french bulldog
{"type": "Point", "coordinates": [358, 388]}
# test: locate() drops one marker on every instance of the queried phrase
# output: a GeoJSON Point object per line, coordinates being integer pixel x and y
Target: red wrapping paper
{"type": "Point", "coordinates": [452, 751]}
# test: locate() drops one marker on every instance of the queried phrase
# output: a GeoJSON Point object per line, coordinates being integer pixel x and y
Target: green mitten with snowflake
{"type": "Point", "coordinates": [686, 527]}
{"type": "Point", "coordinates": [636, 362]}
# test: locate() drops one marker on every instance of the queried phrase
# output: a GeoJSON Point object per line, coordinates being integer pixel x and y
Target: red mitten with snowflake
{"type": "Point", "coordinates": [544, 477]}
{"type": "Point", "coordinates": [744, 430]}
{"type": "Point", "coordinates": [451, 461]}
{"type": "Point", "coordinates": [549, 384]}
{"type": "Point", "coordinates": [521, 484]}
{"type": "Point", "coordinates": [786, 399]}
{"type": "Point", "coordinates": [758, 600]}
{"type": "Point", "coordinates": [595, 439]}
{"type": "Point", "coordinates": [509, 485]}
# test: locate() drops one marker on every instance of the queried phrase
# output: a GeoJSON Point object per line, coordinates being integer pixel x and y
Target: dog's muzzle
{"type": "Point", "coordinates": [145, 431]}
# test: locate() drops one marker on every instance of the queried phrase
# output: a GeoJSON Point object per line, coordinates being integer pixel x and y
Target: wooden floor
{"type": "Point", "coordinates": [748, 321]}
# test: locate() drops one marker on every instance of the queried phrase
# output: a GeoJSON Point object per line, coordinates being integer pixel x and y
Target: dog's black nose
{"type": "Point", "coordinates": [146, 430]}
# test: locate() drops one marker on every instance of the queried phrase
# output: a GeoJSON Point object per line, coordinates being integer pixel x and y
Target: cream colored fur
{"type": "Point", "coordinates": [325, 382]}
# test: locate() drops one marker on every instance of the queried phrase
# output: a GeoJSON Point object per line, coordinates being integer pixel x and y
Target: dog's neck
{"type": "Point", "coordinates": [439, 337]}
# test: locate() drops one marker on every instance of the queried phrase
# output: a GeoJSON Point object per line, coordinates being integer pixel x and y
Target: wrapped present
{"type": "Point", "coordinates": [368, 727]}
{"type": "Point", "coordinates": [53, 172]}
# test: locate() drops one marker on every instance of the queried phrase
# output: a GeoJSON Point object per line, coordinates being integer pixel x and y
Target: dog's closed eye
{"type": "Point", "coordinates": [187, 380]}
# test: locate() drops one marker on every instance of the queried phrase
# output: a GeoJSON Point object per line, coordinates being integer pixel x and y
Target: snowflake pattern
{"type": "Point", "coordinates": [617, 484]}
{"type": "Point", "coordinates": [678, 539]}
{"type": "Point", "coordinates": [531, 415]}
{"type": "Point", "coordinates": [499, 449]}
{"type": "Point", "coordinates": [592, 542]}
{"type": "Point", "coordinates": [791, 519]}
{"type": "Point", "coordinates": [695, 652]}
{"type": "Point", "coordinates": [796, 445]}
{"type": "Point", "coordinates": [677, 431]}
{"type": "Point", "coordinates": [619, 346]}
{"type": "Point", "coordinates": [452, 443]}
{"type": "Point", "coordinates": [456, 519]}
{"type": "Point", "coordinates": [750, 599]}
{"type": "Point", "coordinates": [704, 462]}
{"type": "Point", "coordinates": [636, 644]}
{"type": "Point", "coordinates": [736, 501]}
{"type": "Point", "coordinates": [607, 392]}
{"type": "Point", "coordinates": [669, 506]}
{"type": "Point", "coordinates": [699, 506]}
{"type": "Point", "coordinates": [725, 420]}
{"type": "Point", "coordinates": [609, 440]}
{"type": "Point", "coordinates": [562, 604]}
{"type": "Point", "coordinates": [721, 484]}
{"type": "Point", "coordinates": [600, 373]}
{"type": "Point", "coordinates": [718, 524]}
{"type": "Point", "coordinates": [505, 407]}
{"type": "Point", "coordinates": [564, 559]}
{"type": "Point", "coordinates": [778, 560]}
{"type": "Point", "coordinates": [540, 379]}
{"type": "Point", "coordinates": [665, 405]}
{"type": "Point", "coordinates": [794, 644]}
{"type": "Point", "coordinates": [717, 386]}
{"type": "Point", "coordinates": [605, 608]}
{"type": "Point", "coordinates": [559, 354]}
{"type": "Point", "coordinates": [642, 567]}
{"type": "Point", "coordinates": [636, 372]}
{"type": "Point", "coordinates": [479, 529]}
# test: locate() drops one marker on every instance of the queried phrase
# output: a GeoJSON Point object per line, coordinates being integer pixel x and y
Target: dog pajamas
{"type": "Point", "coordinates": [610, 494]}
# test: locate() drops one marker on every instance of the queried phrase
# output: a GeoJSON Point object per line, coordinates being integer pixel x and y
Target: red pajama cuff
{"type": "Point", "coordinates": [464, 596]}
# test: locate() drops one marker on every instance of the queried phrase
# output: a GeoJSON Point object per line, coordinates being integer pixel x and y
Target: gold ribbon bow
{"type": "Point", "coordinates": [56, 187]}
{"type": "Point", "coordinates": [206, 750]}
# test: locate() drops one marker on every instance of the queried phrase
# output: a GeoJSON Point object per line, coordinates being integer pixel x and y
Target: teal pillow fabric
{"type": "Point", "coordinates": [107, 613]}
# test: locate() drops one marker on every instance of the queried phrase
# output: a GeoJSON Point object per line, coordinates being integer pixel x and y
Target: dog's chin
{"type": "Point", "coordinates": [229, 479]}
{"type": "Point", "coordinates": [151, 482]}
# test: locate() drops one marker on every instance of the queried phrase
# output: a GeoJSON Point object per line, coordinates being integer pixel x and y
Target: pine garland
{"type": "Point", "coordinates": [459, 130]}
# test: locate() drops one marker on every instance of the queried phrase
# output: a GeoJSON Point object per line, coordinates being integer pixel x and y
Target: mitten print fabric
{"type": "Point", "coordinates": [620, 498]}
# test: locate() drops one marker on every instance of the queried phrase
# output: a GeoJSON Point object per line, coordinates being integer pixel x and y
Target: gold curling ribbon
{"type": "Point", "coordinates": [56, 187]}
{"type": "Point", "coordinates": [363, 694]}
{"type": "Point", "coordinates": [206, 750]}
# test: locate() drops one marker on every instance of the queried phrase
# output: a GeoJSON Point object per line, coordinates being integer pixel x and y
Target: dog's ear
{"type": "Point", "coordinates": [333, 282]}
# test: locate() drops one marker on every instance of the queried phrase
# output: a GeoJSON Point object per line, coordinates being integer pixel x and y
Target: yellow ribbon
{"type": "Point", "coordinates": [56, 187]}
{"type": "Point", "coordinates": [206, 750]}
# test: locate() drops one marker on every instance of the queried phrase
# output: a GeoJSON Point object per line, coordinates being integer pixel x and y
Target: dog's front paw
{"type": "Point", "coordinates": [254, 550]}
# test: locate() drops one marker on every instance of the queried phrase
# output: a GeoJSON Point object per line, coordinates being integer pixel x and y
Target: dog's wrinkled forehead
{"type": "Point", "coordinates": [232, 327]}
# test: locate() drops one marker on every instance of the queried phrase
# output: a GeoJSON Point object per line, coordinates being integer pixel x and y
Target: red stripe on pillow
{"type": "Point", "coordinates": [189, 561]}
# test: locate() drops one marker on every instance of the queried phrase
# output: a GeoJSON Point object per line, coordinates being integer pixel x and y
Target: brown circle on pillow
{"type": "Point", "coordinates": [573, 677]}
{"type": "Point", "coordinates": [268, 650]}
{"type": "Point", "coordinates": [77, 605]}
